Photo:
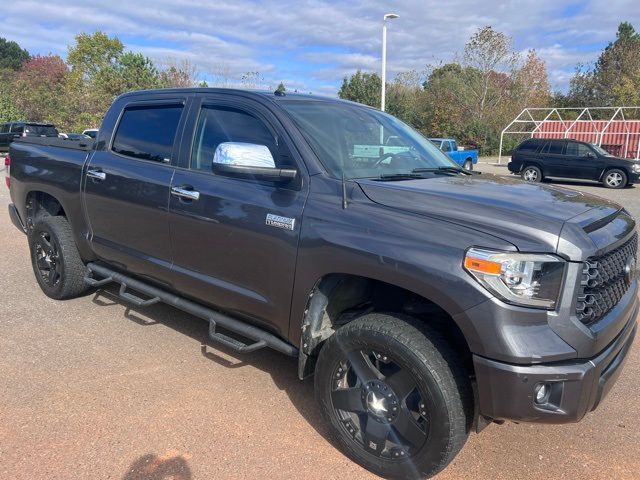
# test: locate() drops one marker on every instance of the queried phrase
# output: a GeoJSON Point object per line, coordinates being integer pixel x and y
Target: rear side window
{"type": "Point", "coordinates": [148, 132]}
{"type": "Point", "coordinates": [223, 124]}
{"type": "Point", "coordinates": [4, 128]}
{"type": "Point", "coordinates": [17, 128]}
{"type": "Point", "coordinates": [528, 146]}
{"type": "Point", "coordinates": [553, 147]}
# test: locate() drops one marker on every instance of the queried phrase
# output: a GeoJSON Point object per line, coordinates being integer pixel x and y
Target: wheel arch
{"type": "Point", "coordinates": [338, 298]}
{"type": "Point", "coordinates": [613, 167]}
{"type": "Point", "coordinates": [41, 203]}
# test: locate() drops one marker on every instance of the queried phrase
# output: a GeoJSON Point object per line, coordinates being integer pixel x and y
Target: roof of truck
{"type": "Point", "coordinates": [257, 93]}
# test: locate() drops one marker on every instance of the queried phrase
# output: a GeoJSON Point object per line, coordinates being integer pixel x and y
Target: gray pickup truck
{"type": "Point", "coordinates": [427, 300]}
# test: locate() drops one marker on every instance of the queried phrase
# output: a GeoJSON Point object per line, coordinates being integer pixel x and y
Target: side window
{"type": "Point", "coordinates": [147, 132]}
{"type": "Point", "coordinates": [17, 128]}
{"type": "Point", "coordinates": [4, 128]}
{"type": "Point", "coordinates": [454, 147]}
{"type": "Point", "coordinates": [446, 146]}
{"type": "Point", "coordinates": [217, 124]}
{"type": "Point", "coordinates": [572, 149]}
{"type": "Point", "coordinates": [555, 147]}
{"type": "Point", "coordinates": [545, 149]}
{"type": "Point", "coordinates": [528, 146]}
{"type": "Point", "coordinates": [584, 151]}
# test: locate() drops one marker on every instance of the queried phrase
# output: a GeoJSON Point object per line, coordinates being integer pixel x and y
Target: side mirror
{"type": "Point", "coordinates": [250, 161]}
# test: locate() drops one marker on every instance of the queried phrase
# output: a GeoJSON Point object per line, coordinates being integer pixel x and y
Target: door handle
{"type": "Point", "coordinates": [96, 174]}
{"type": "Point", "coordinates": [182, 192]}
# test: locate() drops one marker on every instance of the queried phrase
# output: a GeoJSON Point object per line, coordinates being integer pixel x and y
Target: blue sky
{"type": "Point", "coordinates": [311, 45]}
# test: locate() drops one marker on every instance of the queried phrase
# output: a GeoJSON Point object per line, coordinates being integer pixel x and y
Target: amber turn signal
{"type": "Point", "coordinates": [482, 266]}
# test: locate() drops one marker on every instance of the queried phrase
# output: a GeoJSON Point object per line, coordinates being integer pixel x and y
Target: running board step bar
{"type": "Point", "coordinates": [261, 338]}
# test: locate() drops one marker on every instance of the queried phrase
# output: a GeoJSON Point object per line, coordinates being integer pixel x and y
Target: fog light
{"type": "Point", "coordinates": [541, 392]}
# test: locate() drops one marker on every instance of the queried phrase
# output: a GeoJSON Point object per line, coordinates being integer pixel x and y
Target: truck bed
{"type": "Point", "coordinates": [84, 145]}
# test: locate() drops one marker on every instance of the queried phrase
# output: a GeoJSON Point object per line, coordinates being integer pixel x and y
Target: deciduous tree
{"type": "Point", "coordinates": [362, 88]}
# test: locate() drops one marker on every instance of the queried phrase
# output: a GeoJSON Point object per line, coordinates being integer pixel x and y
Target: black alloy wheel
{"type": "Point", "coordinates": [380, 404]}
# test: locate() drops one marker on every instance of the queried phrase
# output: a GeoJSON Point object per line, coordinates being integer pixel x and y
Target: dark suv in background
{"type": "Point", "coordinates": [9, 131]}
{"type": "Point", "coordinates": [538, 158]}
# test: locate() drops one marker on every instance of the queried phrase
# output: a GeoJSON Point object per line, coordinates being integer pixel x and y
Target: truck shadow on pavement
{"type": "Point", "coordinates": [281, 368]}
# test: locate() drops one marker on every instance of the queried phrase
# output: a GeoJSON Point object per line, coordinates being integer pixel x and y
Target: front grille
{"type": "Point", "coordinates": [604, 282]}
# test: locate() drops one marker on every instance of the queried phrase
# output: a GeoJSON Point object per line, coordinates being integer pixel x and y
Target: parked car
{"type": "Point", "coordinates": [538, 158]}
{"type": "Point", "coordinates": [465, 158]}
{"type": "Point", "coordinates": [9, 131]}
{"type": "Point", "coordinates": [426, 300]}
{"type": "Point", "coordinates": [74, 136]}
{"type": "Point", "coordinates": [90, 132]}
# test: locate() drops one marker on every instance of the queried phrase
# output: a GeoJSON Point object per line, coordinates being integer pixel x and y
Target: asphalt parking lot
{"type": "Point", "coordinates": [91, 389]}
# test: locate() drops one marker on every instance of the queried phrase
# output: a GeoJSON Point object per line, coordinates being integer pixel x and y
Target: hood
{"type": "Point", "coordinates": [528, 215]}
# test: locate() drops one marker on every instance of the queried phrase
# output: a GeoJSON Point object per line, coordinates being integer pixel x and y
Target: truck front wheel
{"type": "Point", "coordinates": [56, 262]}
{"type": "Point", "coordinates": [396, 395]}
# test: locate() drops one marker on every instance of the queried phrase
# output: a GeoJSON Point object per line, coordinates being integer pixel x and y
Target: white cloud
{"type": "Point", "coordinates": [314, 43]}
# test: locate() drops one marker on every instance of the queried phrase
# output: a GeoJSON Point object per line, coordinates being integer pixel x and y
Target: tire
{"type": "Point", "coordinates": [614, 178]}
{"type": "Point", "coordinates": [424, 381]}
{"type": "Point", "coordinates": [56, 262]}
{"type": "Point", "coordinates": [531, 173]}
{"type": "Point", "coordinates": [468, 165]}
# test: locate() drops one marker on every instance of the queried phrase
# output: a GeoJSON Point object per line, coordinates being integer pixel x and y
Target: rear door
{"type": "Point", "coordinates": [126, 189]}
{"type": "Point", "coordinates": [553, 160]}
{"type": "Point", "coordinates": [225, 250]}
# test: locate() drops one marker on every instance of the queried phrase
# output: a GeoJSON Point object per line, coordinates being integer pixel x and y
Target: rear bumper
{"type": "Point", "coordinates": [506, 391]}
{"type": "Point", "coordinates": [15, 218]}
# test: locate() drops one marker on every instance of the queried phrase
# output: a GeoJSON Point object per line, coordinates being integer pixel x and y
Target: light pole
{"type": "Point", "coordinates": [388, 16]}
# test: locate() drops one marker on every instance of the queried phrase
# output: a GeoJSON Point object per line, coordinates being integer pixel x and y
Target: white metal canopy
{"type": "Point", "coordinates": [531, 121]}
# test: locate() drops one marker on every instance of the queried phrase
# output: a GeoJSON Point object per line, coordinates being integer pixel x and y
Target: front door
{"type": "Point", "coordinates": [583, 161]}
{"type": "Point", "coordinates": [127, 190]}
{"type": "Point", "coordinates": [225, 251]}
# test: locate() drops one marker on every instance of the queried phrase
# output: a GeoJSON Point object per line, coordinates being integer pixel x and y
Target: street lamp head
{"type": "Point", "coordinates": [390, 16]}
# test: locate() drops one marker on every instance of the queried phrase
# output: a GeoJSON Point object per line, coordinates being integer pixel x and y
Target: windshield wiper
{"type": "Point", "coordinates": [441, 169]}
{"type": "Point", "coordinates": [400, 176]}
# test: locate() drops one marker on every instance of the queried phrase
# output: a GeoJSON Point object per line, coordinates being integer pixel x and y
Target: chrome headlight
{"type": "Point", "coordinates": [528, 279]}
{"type": "Point", "coordinates": [635, 167]}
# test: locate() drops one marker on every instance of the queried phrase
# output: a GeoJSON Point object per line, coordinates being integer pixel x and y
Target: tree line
{"type": "Point", "coordinates": [471, 98]}
{"type": "Point", "coordinates": [474, 97]}
{"type": "Point", "coordinates": [75, 93]}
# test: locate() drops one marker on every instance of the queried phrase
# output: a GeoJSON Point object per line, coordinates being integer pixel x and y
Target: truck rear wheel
{"type": "Point", "coordinates": [531, 173]}
{"type": "Point", "coordinates": [468, 165]}
{"type": "Point", "coordinates": [397, 398]}
{"type": "Point", "coordinates": [56, 262]}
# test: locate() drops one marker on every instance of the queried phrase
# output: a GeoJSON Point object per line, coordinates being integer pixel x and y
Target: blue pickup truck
{"type": "Point", "coordinates": [465, 158]}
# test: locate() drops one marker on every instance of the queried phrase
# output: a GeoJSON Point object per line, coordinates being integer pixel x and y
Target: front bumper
{"type": "Point", "coordinates": [506, 391]}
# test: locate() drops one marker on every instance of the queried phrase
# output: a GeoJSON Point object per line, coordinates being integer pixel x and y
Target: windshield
{"type": "Point", "coordinates": [363, 142]}
{"type": "Point", "coordinates": [601, 150]}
